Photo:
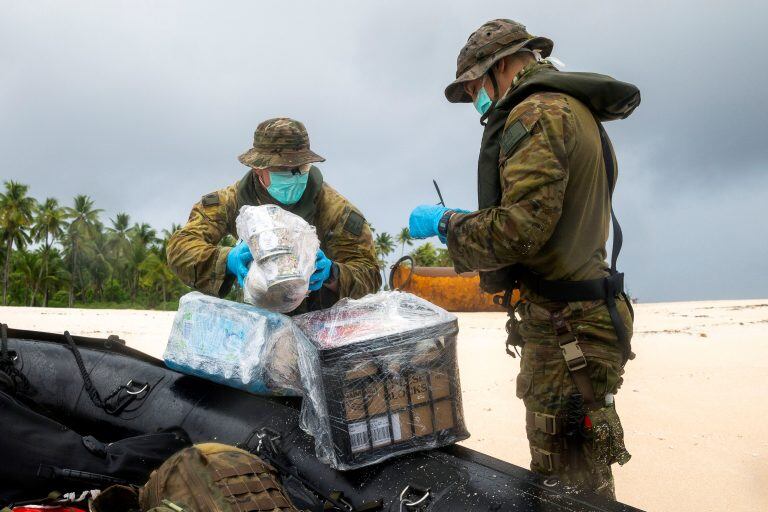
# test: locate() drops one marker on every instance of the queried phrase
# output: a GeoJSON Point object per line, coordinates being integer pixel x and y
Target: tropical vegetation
{"type": "Point", "coordinates": [70, 255]}
{"type": "Point", "coordinates": [65, 255]}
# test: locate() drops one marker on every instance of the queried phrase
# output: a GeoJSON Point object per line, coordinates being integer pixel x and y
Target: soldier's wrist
{"type": "Point", "coordinates": [443, 224]}
{"type": "Point", "coordinates": [333, 279]}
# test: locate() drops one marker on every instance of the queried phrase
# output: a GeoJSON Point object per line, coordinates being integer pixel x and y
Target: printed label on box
{"type": "Point", "coordinates": [419, 388]}
{"type": "Point", "coordinates": [397, 432]}
{"type": "Point", "coordinates": [358, 436]}
{"type": "Point", "coordinates": [380, 431]}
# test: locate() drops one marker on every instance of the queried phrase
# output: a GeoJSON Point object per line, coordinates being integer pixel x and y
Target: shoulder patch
{"type": "Point", "coordinates": [211, 199]}
{"type": "Point", "coordinates": [354, 224]}
{"type": "Point", "coordinates": [512, 137]}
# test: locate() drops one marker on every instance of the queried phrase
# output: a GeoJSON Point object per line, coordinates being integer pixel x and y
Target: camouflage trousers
{"type": "Point", "coordinates": [579, 453]}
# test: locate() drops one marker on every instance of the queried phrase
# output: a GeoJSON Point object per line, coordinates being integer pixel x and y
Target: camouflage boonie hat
{"type": "Point", "coordinates": [280, 142]}
{"type": "Point", "coordinates": [491, 42]}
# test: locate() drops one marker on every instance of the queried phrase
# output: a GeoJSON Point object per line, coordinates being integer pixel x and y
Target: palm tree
{"type": "Point", "coordinates": [119, 244]}
{"type": "Point", "coordinates": [384, 245]}
{"type": "Point", "coordinates": [55, 276]}
{"type": "Point", "coordinates": [83, 219]}
{"type": "Point", "coordinates": [167, 234]}
{"type": "Point", "coordinates": [27, 267]}
{"type": "Point", "coordinates": [142, 235]}
{"type": "Point", "coordinates": [50, 220]}
{"type": "Point", "coordinates": [155, 275]}
{"type": "Point", "coordinates": [99, 266]}
{"type": "Point", "coordinates": [15, 217]}
{"type": "Point", "coordinates": [404, 238]}
{"type": "Point", "coordinates": [425, 255]}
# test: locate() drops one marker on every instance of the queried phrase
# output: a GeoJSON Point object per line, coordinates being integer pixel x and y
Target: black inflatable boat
{"type": "Point", "coordinates": [154, 397]}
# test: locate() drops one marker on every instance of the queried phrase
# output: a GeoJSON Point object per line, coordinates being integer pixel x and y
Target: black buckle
{"type": "Point", "coordinates": [505, 300]}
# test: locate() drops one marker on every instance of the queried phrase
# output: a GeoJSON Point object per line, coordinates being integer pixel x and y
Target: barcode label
{"type": "Point", "coordinates": [397, 433]}
{"type": "Point", "coordinates": [380, 431]}
{"type": "Point", "coordinates": [358, 436]}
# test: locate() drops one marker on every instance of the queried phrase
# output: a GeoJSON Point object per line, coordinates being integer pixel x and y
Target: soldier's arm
{"type": "Point", "coordinates": [348, 242]}
{"type": "Point", "coordinates": [193, 251]}
{"type": "Point", "coordinates": [534, 174]}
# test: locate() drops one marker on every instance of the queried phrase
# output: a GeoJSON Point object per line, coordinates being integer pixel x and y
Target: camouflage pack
{"type": "Point", "coordinates": [213, 477]}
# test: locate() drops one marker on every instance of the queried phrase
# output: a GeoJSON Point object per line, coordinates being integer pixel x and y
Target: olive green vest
{"type": "Point", "coordinates": [606, 98]}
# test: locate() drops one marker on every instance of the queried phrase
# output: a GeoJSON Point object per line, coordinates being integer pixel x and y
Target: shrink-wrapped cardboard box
{"type": "Point", "coordinates": [380, 379]}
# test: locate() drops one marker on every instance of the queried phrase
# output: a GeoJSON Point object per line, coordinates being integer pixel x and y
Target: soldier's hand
{"type": "Point", "coordinates": [238, 259]}
{"type": "Point", "coordinates": [424, 221]}
{"type": "Point", "coordinates": [322, 271]}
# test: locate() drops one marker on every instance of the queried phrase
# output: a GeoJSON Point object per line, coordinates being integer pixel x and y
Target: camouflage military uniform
{"type": "Point", "coordinates": [553, 218]}
{"type": "Point", "coordinates": [200, 262]}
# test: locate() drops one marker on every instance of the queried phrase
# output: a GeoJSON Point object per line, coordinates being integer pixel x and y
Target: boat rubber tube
{"type": "Point", "coordinates": [457, 478]}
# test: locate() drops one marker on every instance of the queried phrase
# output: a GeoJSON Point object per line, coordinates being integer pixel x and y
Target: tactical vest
{"type": "Point", "coordinates": [608, 99]}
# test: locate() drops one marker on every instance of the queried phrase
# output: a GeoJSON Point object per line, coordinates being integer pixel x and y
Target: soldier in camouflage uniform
{"type": "Point", "coordinates": [543, 223]}
{"type": "Point", "coordinates": [280, 163]}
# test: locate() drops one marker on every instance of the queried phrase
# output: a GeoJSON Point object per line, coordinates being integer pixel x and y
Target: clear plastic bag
{"type": "Point", "coordinates": [379, 378]}
{"type": "Point", "coordinates": [283, 246]}
{"type": "Point", "coordinates": [234, 344]}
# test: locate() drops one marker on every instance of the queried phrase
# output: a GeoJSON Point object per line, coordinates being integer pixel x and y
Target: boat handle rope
{"type": "Point", "coordinates": [108, 405]}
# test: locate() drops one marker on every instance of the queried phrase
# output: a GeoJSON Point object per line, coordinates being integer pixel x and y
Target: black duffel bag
{"type": "Point", "coordinates": [41, 455]}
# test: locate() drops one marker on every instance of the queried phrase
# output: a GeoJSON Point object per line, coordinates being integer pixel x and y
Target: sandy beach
{"type": "Point", "coordinates": [692, 403]}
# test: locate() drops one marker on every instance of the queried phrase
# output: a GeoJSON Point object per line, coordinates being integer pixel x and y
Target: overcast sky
{"type": "Point", "coordinates": [145, 106]}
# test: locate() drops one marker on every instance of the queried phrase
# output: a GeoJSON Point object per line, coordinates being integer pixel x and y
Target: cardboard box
{"type": "Point", "coordinates": [388, 413]}
{"type": "Point", "coordinates": [381, 396]}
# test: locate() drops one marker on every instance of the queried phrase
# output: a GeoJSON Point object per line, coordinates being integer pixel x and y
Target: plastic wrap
{"type": "Point", "coordinates": [380, 379]}
{"type": "Point", "coordinates": [284, 247]}
{"type": "Point", "coordinates": [234, 344]}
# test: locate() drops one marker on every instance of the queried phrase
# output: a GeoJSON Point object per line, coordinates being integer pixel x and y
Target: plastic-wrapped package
{"type": "Point", "coordinates": [234, 344]}
{"type": "Point", "coordinates": [380, 379]}
{"type": "Point", "coordinates": [284, 247]}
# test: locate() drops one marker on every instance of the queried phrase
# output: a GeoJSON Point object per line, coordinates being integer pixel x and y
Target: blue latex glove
{"type": "Point", "coordinates": [238, 259]}
{"type": "Point", "coordinates": [425, 219]}
{"type": "Point", "coordinates": [322, 271]}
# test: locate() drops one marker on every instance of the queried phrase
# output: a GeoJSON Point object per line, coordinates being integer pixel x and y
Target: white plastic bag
{"type": "Point", "coordinates": [284, 247]}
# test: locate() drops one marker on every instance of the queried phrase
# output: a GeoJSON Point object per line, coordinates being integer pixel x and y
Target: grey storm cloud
{"type": "Point", "coordinates": [145, 107]}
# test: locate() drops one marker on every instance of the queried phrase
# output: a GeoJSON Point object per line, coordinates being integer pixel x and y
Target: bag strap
{"type": "Point", "coordinates": [610, 171]}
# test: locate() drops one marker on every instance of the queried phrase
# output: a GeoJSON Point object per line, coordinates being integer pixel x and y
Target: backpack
{"type": "Point", "coordinates": [213, 477]}
{"type": "Point", "coordinates": [42, 455]}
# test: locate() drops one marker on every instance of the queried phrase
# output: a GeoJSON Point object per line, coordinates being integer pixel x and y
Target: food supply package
{"type": "Point", "coordinates": [284, 247]}
{"type": "Point", "coordinates": [380, 379]}
{"type": "Point", "coordinates": [234, 344]}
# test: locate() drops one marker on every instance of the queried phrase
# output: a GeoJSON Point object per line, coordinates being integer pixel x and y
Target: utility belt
{"type": "Point", "coordinates": [607, 289]}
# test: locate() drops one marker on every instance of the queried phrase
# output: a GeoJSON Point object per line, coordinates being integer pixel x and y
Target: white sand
{"type": "Point", "coordinates": [693, 404]}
